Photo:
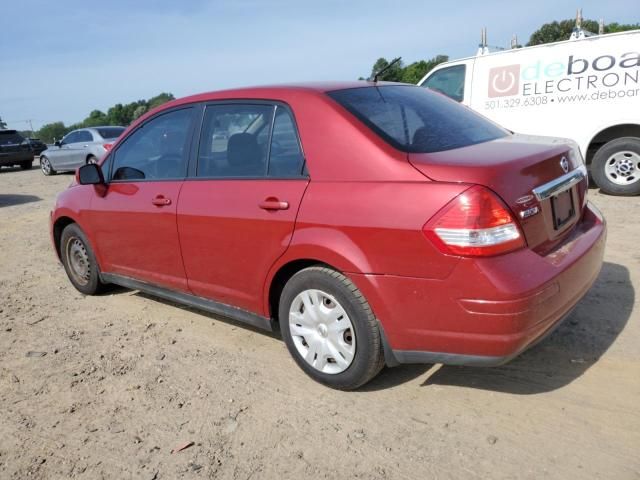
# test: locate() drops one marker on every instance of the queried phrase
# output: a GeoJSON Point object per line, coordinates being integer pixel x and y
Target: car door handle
{"type": "Point", "coordinates": [273, 203]}
{"type": "Point", "coordinates": [161, 201]}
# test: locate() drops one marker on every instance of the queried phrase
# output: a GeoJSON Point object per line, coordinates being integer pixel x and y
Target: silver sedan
{"type": "Point", "coordinates": [78, 148]}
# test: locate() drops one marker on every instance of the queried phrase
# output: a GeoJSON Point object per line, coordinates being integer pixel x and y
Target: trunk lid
{"type": "Point", "coordinates": [513, 167]}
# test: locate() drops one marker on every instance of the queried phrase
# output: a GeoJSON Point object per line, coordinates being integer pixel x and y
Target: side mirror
{"type": "Point", "coordinates": [58, 143]}
{"type": "Point", "coordinates": [90, 174]}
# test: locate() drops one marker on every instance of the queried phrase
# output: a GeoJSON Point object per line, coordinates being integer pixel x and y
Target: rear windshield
{"type": "Point", "coordinates": [415, 120]}
{"type": "Point", "coordinates": [110, 132]}
{"type": "Point", "coordinates": [10, 137]}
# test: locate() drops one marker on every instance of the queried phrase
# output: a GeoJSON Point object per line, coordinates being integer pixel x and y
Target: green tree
{"type": "Point", "coordinates": [52, 131]}
{"type": "Point", "coordinates": [138, 112]}
{"type": "Point", "coordinates": [96, 118]}
{"type": "Point", "coordinates": [158, 100]}
{"type": "Point", "coordinates": [558, 31]}
{"type": "Point", "coordinates": [414, 72]}
{"type": "Point", "coordinates": [411, 73]}
{"type": "Point", "coordinates": [393, 74]}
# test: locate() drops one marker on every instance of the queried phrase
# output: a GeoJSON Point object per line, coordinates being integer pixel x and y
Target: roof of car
{"type": "Point", "coordinates": [277, 90]}
{"type": "Point", "coordinates": [266, 92]}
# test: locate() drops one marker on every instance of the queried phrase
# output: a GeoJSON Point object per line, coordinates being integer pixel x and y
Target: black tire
{"type": "Point", "coordinates": [368, 358]}
{"type": "Point", "coordinates": [629, 149]}
{"type": "Point", "coordinates": [26, 165]}
{"type": "Point", "coordinates": [46, 167]}
{"type": "Point", "coordinates": [76, 251]}
{"type": "Point", "coordinates": [91, 159]}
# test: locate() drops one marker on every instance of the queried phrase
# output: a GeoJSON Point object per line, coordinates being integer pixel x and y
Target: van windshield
{"type": "Point", "coordinates": [416, 120]}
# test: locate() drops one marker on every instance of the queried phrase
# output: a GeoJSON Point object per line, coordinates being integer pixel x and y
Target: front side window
{"type": "Point", "coordinates": [155, 151]}
{"type": "Point", "coordinates": [449, 81]}
{"type": "Point", "coordinates": [415, 120]}
{"type": "Point", "coordinates": [234, 140]}
{"type": "Point", "coordinates": [71, 138]}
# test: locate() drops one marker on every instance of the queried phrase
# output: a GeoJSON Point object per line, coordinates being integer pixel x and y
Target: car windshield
{"type": "Point", "coordinates": [110, 132]}
{"type": "Point", "coordinates": [415, 120]}
{"type": "Point", "coordinates": [10, 137]}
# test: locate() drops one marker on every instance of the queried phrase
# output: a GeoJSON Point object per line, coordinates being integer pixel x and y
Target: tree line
{"type": "Point", "coordinates": [547, 33]}
{"type": "Point", "coordinates": [118, 114]}
{"type": "Point", "coordinates": [123, 115]}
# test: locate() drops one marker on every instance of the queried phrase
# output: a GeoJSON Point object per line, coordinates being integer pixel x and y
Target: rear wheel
{"type": "Point", "coordinates": [45, 166]}
{"type": "Point", "coordinates": [26, 165]}
{"type": "Point", "coordinates": [79, 260]}
{"type": "Point", "coordinates": [616, 166]}
{"type": "Point", "coordinates": [91, 159]}
{"type": "Point", "coordinates": [329, 328]}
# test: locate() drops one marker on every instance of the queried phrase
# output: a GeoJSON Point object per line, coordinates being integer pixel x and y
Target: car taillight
{"type": "Point", "coordinates": [107, 146]}
{"type": "Point", "coordinates": [475, 224]}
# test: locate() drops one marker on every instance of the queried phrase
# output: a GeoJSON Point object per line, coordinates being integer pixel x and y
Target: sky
{"type": "Point", "coordinates": [61, 59]}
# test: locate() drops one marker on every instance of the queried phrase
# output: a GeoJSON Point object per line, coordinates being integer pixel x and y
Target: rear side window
{"type": "Point", "coordinates": [84, 136]}
{"type": "Point", "coordinates": [157, 150]}
{"type": "Point", "coordinates": [449, 81]}
{"type": "Point", "coordinates": [110, 132]}
{"type": "Point", "coordinates": [235, 140]}
{"type": "Point", "coordinates": [415, 120]}
{"type": "Point", "coordinates": [285, 158]}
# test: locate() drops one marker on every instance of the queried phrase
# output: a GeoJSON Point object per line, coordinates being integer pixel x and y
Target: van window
{"type": "Point", "coordinates": [449, 81]}
{"type": "Point", "coordinates": [416, 120]}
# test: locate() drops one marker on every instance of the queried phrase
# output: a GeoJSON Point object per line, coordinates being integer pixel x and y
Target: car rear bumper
{"type": "Point", "coordinates": [488, 310]}
{"type": "Point", "coordinates": [15, 158]}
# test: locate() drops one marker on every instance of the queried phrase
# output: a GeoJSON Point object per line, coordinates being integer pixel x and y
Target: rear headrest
{"type": "Point", "coordinates": [243, 151]}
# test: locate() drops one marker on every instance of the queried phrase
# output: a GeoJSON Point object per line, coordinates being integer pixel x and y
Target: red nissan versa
{"type": "Point", "coordinates": [374, 223]}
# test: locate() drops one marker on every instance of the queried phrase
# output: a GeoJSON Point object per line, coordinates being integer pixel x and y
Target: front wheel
{"type": "Point", "coordinates": [45, 166]}
{"type": "Point", "coordinates": [329, 328]}
{"type": "Point", "coordinates": [616, 166]}
{"type": "Point", "coordinates": [91, 159]}
{"type": "Point", "coordinates": [79, 260]}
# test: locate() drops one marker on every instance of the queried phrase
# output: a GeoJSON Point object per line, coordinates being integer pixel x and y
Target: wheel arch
{"type": "Point", "coordinates": [280, 278]}
{"type": "Point", "coordinates": [610, 133]}
{"type": "Point", "coordinates": [58, 226]}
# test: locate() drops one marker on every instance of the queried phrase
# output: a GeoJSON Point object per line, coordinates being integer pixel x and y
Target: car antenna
{"type": "Point", "coordinates": [380, 72]}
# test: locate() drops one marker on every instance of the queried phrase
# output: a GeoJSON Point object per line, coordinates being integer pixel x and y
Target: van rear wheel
{"type": "Point", "coordinates": [616, 167]}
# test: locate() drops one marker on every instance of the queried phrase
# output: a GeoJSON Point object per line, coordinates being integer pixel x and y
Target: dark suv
{"type": "Point", "coordinates": [14, 150]}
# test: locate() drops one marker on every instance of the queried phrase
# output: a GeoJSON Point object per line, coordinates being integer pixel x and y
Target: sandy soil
{"type": "Point", "coordinates": [127, 378]}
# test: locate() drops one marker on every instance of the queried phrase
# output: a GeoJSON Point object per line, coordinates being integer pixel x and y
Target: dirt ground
{"type": "Point", "coordinates": [127, 378]}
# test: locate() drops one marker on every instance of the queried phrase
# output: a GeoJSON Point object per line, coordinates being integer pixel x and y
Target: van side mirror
{"type": "Point", "coordinates": [90, 174]}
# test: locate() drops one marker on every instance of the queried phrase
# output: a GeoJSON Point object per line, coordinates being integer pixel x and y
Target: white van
{"type": "Point", "coordinates": [586, 89]}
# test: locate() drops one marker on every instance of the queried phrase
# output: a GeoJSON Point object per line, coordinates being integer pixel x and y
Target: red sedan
{"type": "Point", "coordinates": [371, 223]}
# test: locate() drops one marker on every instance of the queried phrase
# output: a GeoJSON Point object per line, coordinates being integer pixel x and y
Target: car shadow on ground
{"type": "Point", "coordinates": [9, 199]}
{"type": "Point", "coordinates": [567, 353]}
{"type": "Point", "coordinates": [216, 318]}
{"type": "Point", "coordinates": [555, 362]}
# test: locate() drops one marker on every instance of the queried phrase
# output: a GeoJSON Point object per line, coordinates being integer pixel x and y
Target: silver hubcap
{"type": "Point", "coordinates": [78, 261]}
{"type": "Point", "coordinates": [623, 168]}
{"type": "Point", "coordinates": [45, 165]}
{"type": "Point", "coordinates": [322, 331]}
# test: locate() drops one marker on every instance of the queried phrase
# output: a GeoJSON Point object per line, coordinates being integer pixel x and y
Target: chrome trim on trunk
{"type": "Point", "coordinates": [560, 184]}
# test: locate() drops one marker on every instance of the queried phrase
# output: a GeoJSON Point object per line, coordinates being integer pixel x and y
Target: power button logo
{"type": "Point", "coordinates": [504, 81]}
